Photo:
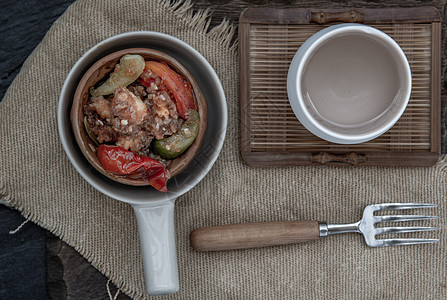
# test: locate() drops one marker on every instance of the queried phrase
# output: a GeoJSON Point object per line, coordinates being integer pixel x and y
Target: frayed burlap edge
{"type": "Point", "coordinates": [200, 21]}
{"type": "Point", "coordinates": [6, 198]}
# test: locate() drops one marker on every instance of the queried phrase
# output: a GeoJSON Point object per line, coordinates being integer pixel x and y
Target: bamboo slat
{"type": "Point", "coordinates": [271, 125]}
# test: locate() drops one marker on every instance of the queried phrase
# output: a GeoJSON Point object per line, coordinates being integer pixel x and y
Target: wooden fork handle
{"type": "Point", "coordinates": [250, 235]}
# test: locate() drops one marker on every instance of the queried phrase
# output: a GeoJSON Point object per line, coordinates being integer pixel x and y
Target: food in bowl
{"type": "Point", "coordinates": [140, 119]}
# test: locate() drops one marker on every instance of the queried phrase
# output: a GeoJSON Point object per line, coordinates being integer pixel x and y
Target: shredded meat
{"type": "Point", "coordinates": [137, 89]}
{"type": "Point", "coordinates": [132, 117]}
{"type": "Point", "coordinates": [101, 106]}
{"type": "Point", "coordinates": [163, 118]}
{"type": "Point", "coordinates": [127, 107]}
{"type": "Point", "coordinates": [99, 113]}
{"type": "Point", "coordinates": [136, 143]}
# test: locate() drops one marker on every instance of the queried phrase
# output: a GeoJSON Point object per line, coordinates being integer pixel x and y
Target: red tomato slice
{"type": "Point", "coordinates": [176, 84]}
{"type": "Point", "coordinates": [121, 161]}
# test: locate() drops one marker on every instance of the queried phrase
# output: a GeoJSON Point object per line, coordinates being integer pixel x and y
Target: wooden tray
{"type": "Point", "coordinates": [271, 135]}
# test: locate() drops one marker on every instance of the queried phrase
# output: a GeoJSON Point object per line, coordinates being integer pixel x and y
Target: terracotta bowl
{"type": "Point", "coordinates": [99, 71]}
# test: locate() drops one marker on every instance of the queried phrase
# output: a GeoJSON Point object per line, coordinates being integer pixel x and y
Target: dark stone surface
{"type": "Point", "coordinates": [27, 270]}
{"type": "Point", "coordinates": [22, 258]}
{"type": "Point", "coordinates": [22, 255]}
{"type": "Point", "coordinates": [23, 24]}
{"type": "Point", "coordinates": [70, 276]}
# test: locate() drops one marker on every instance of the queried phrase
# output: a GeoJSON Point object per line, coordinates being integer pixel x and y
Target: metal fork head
{"type": "Point", "coordinates": [366, 224]}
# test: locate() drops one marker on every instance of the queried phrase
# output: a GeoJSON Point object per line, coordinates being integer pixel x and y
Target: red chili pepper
{"type": "Point", "coordinates": [176, 84]}
{"type": "Point", "coordinates": [121, 161]}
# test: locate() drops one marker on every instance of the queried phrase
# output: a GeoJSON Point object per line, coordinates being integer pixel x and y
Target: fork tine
{"type": "Point", "coordinates": [389, 206]}
{"type": "Point", "coordinates": [402, 218]}
{"type": "Point", "coordinates": [395, 242]}
{"type": "Point", "coordinates": [383, 230]}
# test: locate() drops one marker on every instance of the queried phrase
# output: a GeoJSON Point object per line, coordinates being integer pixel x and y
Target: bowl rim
{"type": "Point", "coordinates": [305, 53]}
{"type": "Point", "coordinates": [76, 112]}
{"type": "Point", "coordinates": [66, 96]}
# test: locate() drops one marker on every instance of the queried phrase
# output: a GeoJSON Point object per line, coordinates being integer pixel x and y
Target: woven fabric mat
{"type": "Point", "coordinates": [37, 179]}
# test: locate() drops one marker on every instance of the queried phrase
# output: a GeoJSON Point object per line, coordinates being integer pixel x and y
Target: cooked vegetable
{"type": "Point", "coordinates": [175, 145]}
{"type": "Point", "coordinates": [126, 71]}
{"type": "Point", "coordinates": [176, 84]}
{"type": "Point", "coordinates": [150, 101]}
{"type": "Point", "coordinates": [89, 132]}
{"type": "Point", "coordinates": [123, 162]}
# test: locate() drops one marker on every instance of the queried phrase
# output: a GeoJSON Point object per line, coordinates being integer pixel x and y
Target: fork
{"type": "Point", "coordinates": [249, 235]}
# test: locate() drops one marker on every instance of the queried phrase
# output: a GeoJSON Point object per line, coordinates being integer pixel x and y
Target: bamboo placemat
{"type": "Point", "coordinates": [270, 132]}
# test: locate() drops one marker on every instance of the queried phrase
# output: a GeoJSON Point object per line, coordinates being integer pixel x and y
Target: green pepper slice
{"type": "Point", "coordinates": [175, 145]}
{"type": "Point", "coordinates": [126, 71]}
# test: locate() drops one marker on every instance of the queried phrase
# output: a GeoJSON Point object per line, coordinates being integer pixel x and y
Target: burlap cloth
{"type": "Point", "coordinates": [37, 179]}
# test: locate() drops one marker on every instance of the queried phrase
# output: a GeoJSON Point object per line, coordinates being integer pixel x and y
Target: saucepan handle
{"type": "Point", "coordinates": [157, 238]}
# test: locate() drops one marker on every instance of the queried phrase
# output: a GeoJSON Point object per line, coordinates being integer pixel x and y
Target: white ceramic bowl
{"type": "Point", "coordinates": [349, 83]}
{"type": "Point", "coordinates": [154, 210]}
